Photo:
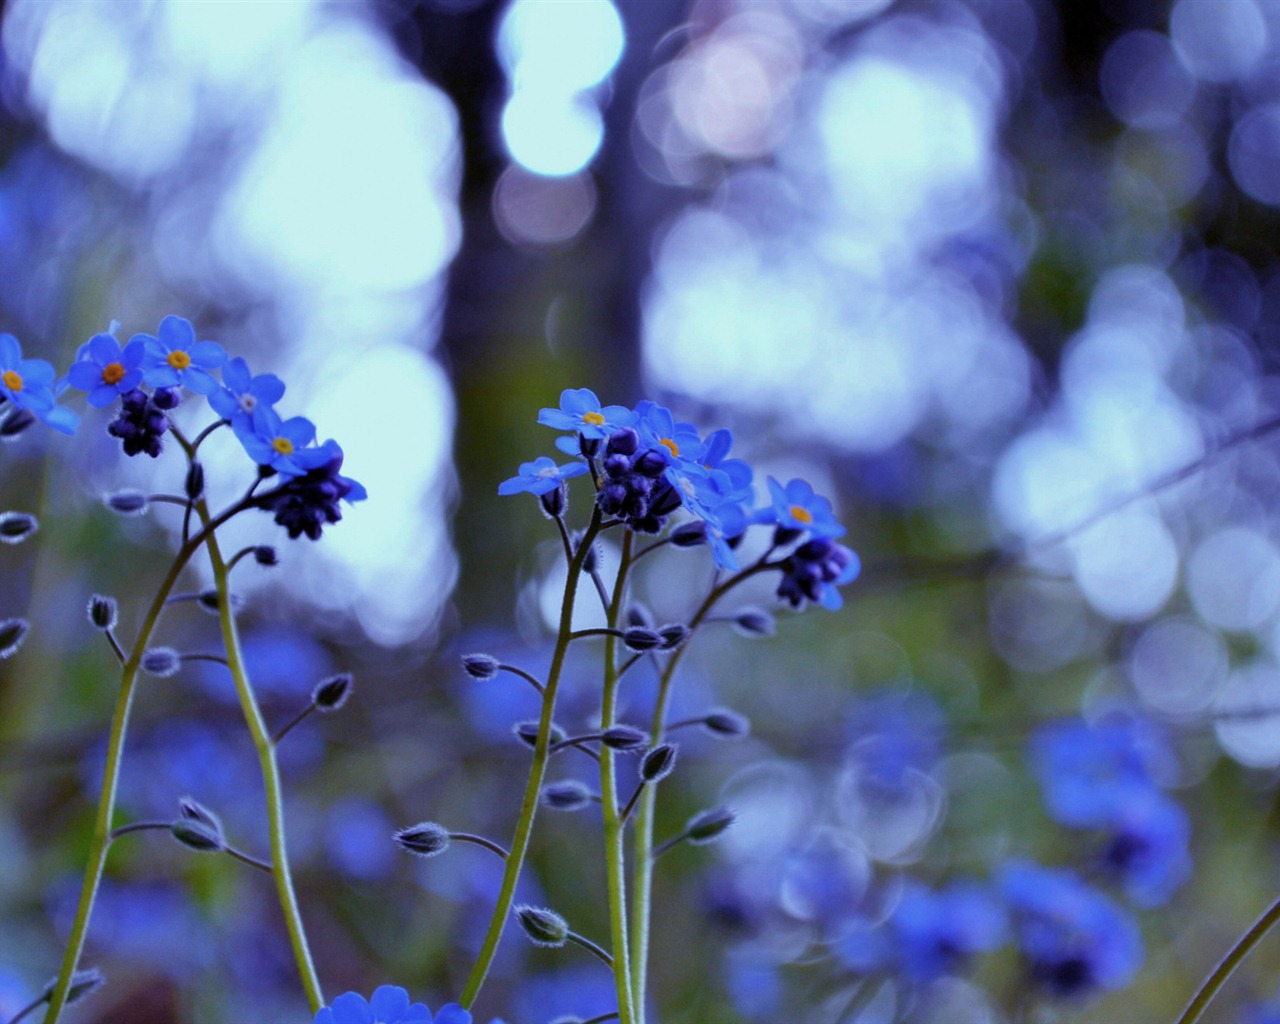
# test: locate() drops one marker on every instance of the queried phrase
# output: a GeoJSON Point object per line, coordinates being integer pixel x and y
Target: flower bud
{"type": "Point", "coordinates": [652, 464]}
{"type": "Point", "coordinates": [527, 733]}
{"type": "Point", "coordinates": [161, 662]}
{"type": "Point", "coordinates": [127, 503]}
{"type": "Point", "coordinates": [624, 737]}
{"type": "Point", "coordinates": [15, 423]}
{"type": "Point", "coordinates": [726, 724]}
{"type": "Point", "coordinates": [544, 927]}
{"type": "Point", "coordinates": [208, 601]}
{"type": "Point", "coordinates": [753, 621]}
{"type": "Point", "coordinates": [83, 983]}
{"type": "Point", "coordinates": [104, 613]}
{"type": "Point", "coordinates": [265, 554]}
{"type": "Point", "coordinates": [426, 839]}
{"type": "Point", "coordinates": [198, 834]}
{"type": "Point", "coordinates": [658, 763]}
{"type": "Point", "coordinates": [568, 795]}
{"type": "Point", "coordinates": [784, 535]}
{"type": "Point", "coordinates": [15, 527]}
{"type": "Point", "coordinates": [707, 826]}
{"type": "Point", "coordinates": [623, 441]}
{"type": "Point", "coordinates": [555, 501]}
{"type": "Point", "coordinates": [12, 633]}
{"type": "Point", "coordinates": [591, 560]}
{"type": "Point", "coordinates": [167, 398]}
{"type": "Point", "coordinates": [689, 535]}
{"type": "Point", "coordinates": [480, 666]}
{"type": "Point", "coordinates": [639, 615]}
{"type": "Point", "coordinates": [193, 810]}
{"type": "Point", "coordinates": [640, 639]}
{"type": "Point", "coordinates": [673, 635]}
{"type": "Point", "coordinates": [194, 483]}
{"type": "Point", "coordinates": [588, 445]}
{"type": "Point", "coordinates": [330, 694]}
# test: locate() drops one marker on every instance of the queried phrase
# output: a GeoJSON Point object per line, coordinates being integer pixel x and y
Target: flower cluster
{"type": "Point", "coordinates": [647, 466]}
{"type": "Point", "coordinates": [389, 1005]}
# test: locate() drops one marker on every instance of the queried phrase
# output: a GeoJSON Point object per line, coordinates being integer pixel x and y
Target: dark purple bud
{"type": "Point", "coordinates": [689, 535]}
{"type": "Point", "coordinates": [127, 503]}
{"type": "Point", "coordinates": [727, 724]}
{"type": "Point", "coordinates": [161, 662]}
{"type": "Point", "coordinates": [753, 621]}
{"type": "Point", "coordinates": [641, 639]}
{"type": "Point", "coordinates": [623, 441]}
{"type": "Point", "coordinates": [332, 693]}
{"type": "Point", "coordinates": [480, 666]}
{"type": "Point", "coordinates": [198, 834]}
{"type": "Point", "coordinates": [15, 527]}
{"type": "Point", "coordinates": [555, 501]}
{"type": "Point", "coordinates": [617, 466]}
{"type": "Point", "coordinates": [194, 484]}
{"type": "Point", "coordinates": [543, 927]}
{"type": "Point", "coordinates": [785, 535]}
{"type": "Point", "coordinates": [12, 633]}
{"type": "Point", "coordinates": [708, 826]}
{"type": "Point", "coordinates": [568, 795]}
{"type": "Point", "coordinates": [167, 398]}
{"type": "Point", "coordinates": [265, 554]}
{"type": "Point", "coordinates": [426, 839]}
{"type": "Point", "coordinates": [15, 423]}
{"type": "Point", "coordinates": [658, 763]}
{"type": "Point", "coordinates": [624, 737]}
{"type": "Point", "coordinates": [651, 463]}
{"type": "Point", "coordinates": [103, 612]}
{"type": "Point", "coordinates": [673, 635]}
{"type": "Point", "coordinates": [527, 733]}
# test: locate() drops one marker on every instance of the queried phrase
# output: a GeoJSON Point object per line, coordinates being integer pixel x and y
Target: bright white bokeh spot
{"type": "Point", "coordinates": [1177, 666]}
{"type": "Point", "coordinates": [351, 189]}
{"type": "Point", "coordinates": [1219, 40]}
{"type": "Point", "coordinates": [1249, 706]}
{"type": "Point", "coordinates": [1234, 579]}
{"type": "Point", "coordinates": [228, 44]}
{"type": "Point", "coordinates": [560, 46]}
{"type": "Point", "coordinates": [552, 132]}
{"type": "Point", "coordinates": [1126, 565]}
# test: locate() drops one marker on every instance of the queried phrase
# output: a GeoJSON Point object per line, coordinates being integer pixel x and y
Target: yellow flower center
{"type": "Point", "coordinates": [12, 380]}
{"type": "Point", "coordinates": [670, 445]}
{"type": "Point", "coordinates": [801, 515]}
{"type": "Point", "coordinates": [178, 359]}
{"type": "Point", "coordinates": [112, 373]}
{"type": "Point", "coordinates": [594, 418]}
{"type": "Point", "coordinates": [283, 445]}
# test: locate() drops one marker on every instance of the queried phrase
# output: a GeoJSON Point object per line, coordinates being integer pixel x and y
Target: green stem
{"type": "Point", "coordinates": [263, 743]}
{"type": "Point", "coordinates": [642, 868]}
{"type": "Point", "coordinates": [101, 840]}
{"type": "Point", "coordinates": [537, 770]}
{"type": "Point", "coordinates": [614, 822]}
{"type": "Point", "coordinates": [1234, 958]}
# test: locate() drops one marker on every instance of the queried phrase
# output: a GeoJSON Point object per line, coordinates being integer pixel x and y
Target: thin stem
{"type": "Point", "coordinates": [614, 822]}
{"type": "Point", "coordinates": [608, 631]}
{"type": "Point", "coordinates": [601, 590]}
{"type": "Point", "coordinates": [253, 862]}
{"type": "Point", "coordinates": [216, 658]}
{"type": "Point", "coordinates": [206, 432]}
{"type": "Point", "coordinates": [1234, 958]}
{"type": "Point", "coordinates": [296, 720]}
{"type": "Point", "coordinates": [587, 944]}
{"type": "Point", "coordinates": [564, 539]}
{"type": "Point", "coordinates": [270, 772]}
{"type": "Point", "coordinates": [537, 771]}
{"type": "Point", "coordinates": [643, 862]}
{"type": "Point", "coordinates": [27, 1009]}
{"type": "Point", "coordinates": [241, 554]}
{"type": "Point", "coordinates": [626, 811]}
{"type": "Point", "coordinates": [138, 826]}
{"type": "Point", "coordinates": [488, 844]}
{"type": "Point", "coordinates": [115, 645]}
{"type": "Point", "coordinates": [527, 676]}
{"type": "Point", "coordinates": [674, 841]}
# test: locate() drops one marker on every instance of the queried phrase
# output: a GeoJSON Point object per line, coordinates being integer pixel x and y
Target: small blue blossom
{"type": "Point", "coordinates": [307, 503]}
{"type": "Point", "coordinates": [27, 383]}
{"type": "Point", "coordinates": [1146, 848]}
{"type": "Point", "coordinates": [106, 370]}
{"type": "Point", "coordinates": [580, 411]}
{"type": "Point", "coordinates": [389, 1005]}
{"type": "Point", "coordinates": [797, 507]}
{"type": "Point", "coordinates": [659, 429]}
{"type": "Point", "coordinates": [243, 393]}
{"type": "Point", "coordinates": [541, 476]}
{"type": "Point", "coordinates": [175, 359]}
{"type": "Point", "coordinates": [273, 442]}
{"type": "Point", "coordinates": [1073, 938]}
{"type": "Point", "coordinates": [936, 931]}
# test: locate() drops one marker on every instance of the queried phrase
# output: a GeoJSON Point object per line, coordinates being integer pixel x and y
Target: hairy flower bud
{"type": "Point", "coordinates": [198, 834]}
{"type": "Point", "coordinates": [624, 737]}
{"type": "Point", "coordinates": [15, 423]}
{"type": "Point", "coordinates": [194, 483]}
{"type": "Point", "coordinates": [673, 635]}
{"type": "Point", "coordinates": [103, 612]}
{"type": "Point", "coordinates": [707, 826]}
{"type": "Point", "coordinates": [330, 694]}
{"type": "Point", "coordinates": [640, 639]}
{"type": "Point", "coordinates": [12, 633]}
{"type": "Point", "coordinates": [752, 621]}
{"type": "Point", "coordinates": [726, 724]}
{"type": "Point", "coordinates": [555, 501]}
{"type": "Point", "coordinates": [127, 503]}
{"type": "Point", "coordinates": [265, 554]}
{"type": "Point", "coordinates": [83, 983]}
{"type": "Point", "coordinates": [161, 662]}
{"type": "Point", "coordinates": [568, 795]}
{"type": "Point", "coordinates": [15, 527]}
{"type": "Point", "coordinates": [193, 810]}
{"type": "Point", "coordinates": [426, 839]}
{"type": "Point", "coordinates": [527, 733]}
{"type": "Point", "coordinates": [209, 601]}
{"type": "Point", "coordinates": [658, 763]}
{"type": "Point", "coordinates": [480, 666]}
{"type": "Point", "coordinates": [544, 927]}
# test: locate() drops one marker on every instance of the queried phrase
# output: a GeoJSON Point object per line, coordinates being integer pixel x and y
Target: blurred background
{"type": "Point", "coordinates": [978, 270]}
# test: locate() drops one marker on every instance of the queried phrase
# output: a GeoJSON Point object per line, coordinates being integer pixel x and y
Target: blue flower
{"type": "Point", "coordinates": [242, 393]}
{"type": "Point", "coordinates": [580, 411]}
{"type": "Point", "coordinates": [27, 383]}
{"type": "Point", "coordinates": [271, 441]}
{"type": "Point", "coordinates": [389, 1005]}
{"type": "Point", "coordinates": [937, 931]}
{"type": "Point", "coordinates": [1147, 848]}
{"type": "Point", "coordinates": [658, 429]}
{"type": "Point", "coordinates": [1072, 937]}
{"type": "Point", "coordinates": [175, 359]}
{"type": "Point", "coordinates": [541, 476]}
{"type": "Point", "coordinates": [307, 503]}
{"type": "Point", "coordinates": [796, 507]}
{"type": "Point", "coordinates": [105, 370]}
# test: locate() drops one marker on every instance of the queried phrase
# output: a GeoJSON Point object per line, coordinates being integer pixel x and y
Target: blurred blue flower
{"type": "Point", "coordinates": [580, 411]}
{"type": "Point", "coordinates": [242, 393]}
{"type": "Point", "coordinates": [936, 931]}
{"type": "Point", "coordinates": [273, 442]}
{"type": "Point", "coordinates": [105, 370]}
{"type": "Point", "coordinates": [389, 1005]}
{"type": "Point", "coordinates": [27, 383]}
{"type": "Point", "coordinates": [1146, 848]}
{"type": "Point", "coordinates": [175, 359]}
{"type": "Point", "coordinates": [892, 735]}
{"type": "Point", "coordinates": [579, 991]}
{"type": "Point", "coordinates": [541, 476]}
{"type": "Point", "coordinates": [797, 507]}
{"type": "Point", "coordinates": [1072, 937]}
{"type": "Point", "coordinates": [358, 839]}
{"type": "Point", "coordinates": [824, 882]}
{"type": "Point", "coordinates": [755, 986]}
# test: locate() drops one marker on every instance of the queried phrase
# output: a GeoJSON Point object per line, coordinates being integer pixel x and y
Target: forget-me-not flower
{"type": "Point", "coordinates": [107, 370]}
{"type": "Point", "coordinates": [389, 1005]}
{"type": "Point", "coordinates": [174, 358]}
{"type": "Point", "coordinates": [242, 393]}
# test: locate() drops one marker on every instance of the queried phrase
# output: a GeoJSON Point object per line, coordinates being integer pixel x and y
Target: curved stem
{"type": "Point", "coordinates": [1234, 958]}
{"type": "Point", "coordinates": [265, 747]}
{"type": "Point", "coordinates": [642, 867]}
{"type": "Point", "coordinates": [537, 771]}
{"type": "Point", "coordinates": [614, 821]}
